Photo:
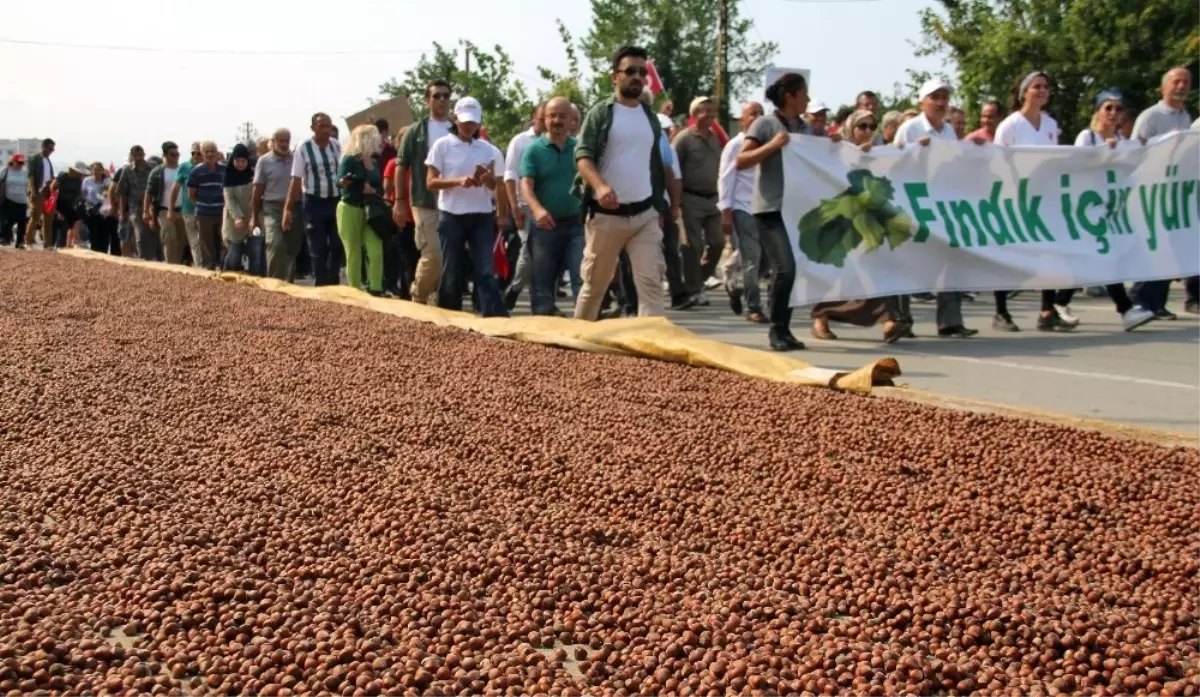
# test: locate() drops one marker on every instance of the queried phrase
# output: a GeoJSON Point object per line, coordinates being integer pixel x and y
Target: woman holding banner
{"type": "Point", "coordinates": [1028, 124]}
{"type": "Point", "coordinates": [1105, 130]}
{"type": "Point", "coordinates": [859, 130]}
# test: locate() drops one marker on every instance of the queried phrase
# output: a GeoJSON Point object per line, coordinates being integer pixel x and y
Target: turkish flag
{"type": "Point", "coordinates": [653, 81]}
{"type": "Point", "coordinates": [111, 169]}
{"type": "Point", "coordinates": [722, 136]}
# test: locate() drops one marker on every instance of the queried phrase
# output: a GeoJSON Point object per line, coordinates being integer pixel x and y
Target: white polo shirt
{"type": "Point", "coordinates": [735, 188]}
{"type": "Point", "coordinates": [453, 159]}
{"type": "Point", "coordinates": [918, 127]}
{"type": "Point", "coordinates": [1015, 129]}
{"type": "Point", "coordinates": [516, 149]}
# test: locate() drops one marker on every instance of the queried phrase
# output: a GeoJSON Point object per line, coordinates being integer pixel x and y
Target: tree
{"type": "Point", "coordinates": [1084, 46]}
{"type": "Point", "coordinates": [572, 85]}
{"type": "Point", "coordinates": [680, 36]}
{"type": "Point", "coordinates": [506, 104]}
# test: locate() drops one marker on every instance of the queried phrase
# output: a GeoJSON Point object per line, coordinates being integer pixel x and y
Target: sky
{"type": "Point", "coordinates": [96, 102]}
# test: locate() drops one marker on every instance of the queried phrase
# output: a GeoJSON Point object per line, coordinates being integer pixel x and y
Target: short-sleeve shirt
{"type": "Point", "coordinates": [316, 168]}
{"type": "Point", "coordinates": [181, 178]}
{"type": "Point", "coordinates": [768, 182]}
{"type": "Point", "coordinates": [1159, 120]}
{"type": "Point", "coordinates": [515, 159]}
{"type": "Point", "coordinates": [919, 127]}
{"type": "Point", "coordinates": [552, 170]}
{"type": "Point", "coordinates": [133, 184]}
{"type": "Point", "coordinates": [1015, 129]}
{"type": "Point", "coordinates": [625, 164]}
{"type": "Point", "coordinates": [274, 174]}
{"type": "Point", "coordinates": [209, 183]}
{"type": "Point", "coordinates": [69, 189]}
{"type": "Point", "coordinates": [455, 158]}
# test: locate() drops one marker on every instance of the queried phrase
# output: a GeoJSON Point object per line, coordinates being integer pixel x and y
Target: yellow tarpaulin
{"type": "Point", "coordinates": [655, 338]}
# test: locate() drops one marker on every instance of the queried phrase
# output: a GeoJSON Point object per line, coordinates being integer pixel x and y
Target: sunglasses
{"type": "Point", "coordinates": [1113, 107]}
{"type": "Point", "coordinates": [196, 152]}
{"type": "Point", "coordinates": [440, 96]}
{"type": "Point", "coordinates": [867, 126]}
{"type": "Point", "coordinates": [635, 70]}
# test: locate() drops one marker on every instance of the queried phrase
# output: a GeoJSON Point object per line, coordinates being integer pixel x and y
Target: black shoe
{"type": "Point", "coordinates": [683, 302]}
{"type": "Point", "coordinates": [1192, 306]}
{"type": "Point", "coordinates": [1165, 314]}
{"type": "Point", "coordinates": [957, 333]}
{"type": "Point", "coordinates": [906, 331]}
{"type": "Point", "coordinates": [735, 300]}
{"type": "Point", "coordinates": [510, 300]}
{"type": "Point", "coordinates": [1053, 323]}
{"type": "Point", "coordinates": [376, 293]}
{"type": "Point", "coordinates": [1004, 323]}
{"type": "Point", "coordinates": [924, 297]}
{"type": "Point", "coordinates": [782, 340]}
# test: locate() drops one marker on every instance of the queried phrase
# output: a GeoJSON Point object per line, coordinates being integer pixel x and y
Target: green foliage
{"type": "Point", "coordinates": [681, 38]}
{"type": "Point", "coordinates": [505, 101]}
{"type": "Point", "coordinates": [572, 84]}
{"type": "Point", "coordinates": [1083, 45]}
{"type": "Point", "coordinates": [862, 214]}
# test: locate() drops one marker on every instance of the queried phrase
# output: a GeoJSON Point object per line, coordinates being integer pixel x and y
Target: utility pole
{"type": "Point", "coordinates": [467, 53]}
{"type": "Point", "coordinates": [722, 58]}
{"type": "Point", "coordinates": [246, 132]}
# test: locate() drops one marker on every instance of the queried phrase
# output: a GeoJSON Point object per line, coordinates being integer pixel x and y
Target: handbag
{"type": "Point", "coordinates": [379, 215]}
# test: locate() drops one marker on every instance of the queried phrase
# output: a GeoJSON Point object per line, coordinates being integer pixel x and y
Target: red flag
{"type": "Point", "coordinates": [722, 136]}
{"type": "Point", "coordinates": [653, 81]}
{"type": "Point", "coordinates": [111, 169]}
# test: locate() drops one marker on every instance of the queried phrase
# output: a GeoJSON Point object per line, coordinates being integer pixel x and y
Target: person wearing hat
{"type": "Point", "coordinates": [930, 124]}
{"type": "Point", "coordinates": [129, 195]}
{"type": "Point", "coordinates": [461, 168]}
{"type": "Point", "coordinates": [817, 118]}
{"type": "Point", "coordinates": [698, 150]}
{"type": "Point", "coordinates": [14, 198]}
{"type": "Point", "coordinates": [67, 209]}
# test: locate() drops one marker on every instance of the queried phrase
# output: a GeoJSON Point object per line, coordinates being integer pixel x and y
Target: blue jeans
{"type": "Point", "coordinates": [552, 251]}
{"type": "Point", "coordinates": [254, 249]}
{"type": "Point", "coordinates": [320, 227]}
{"type": "Point", "coordinates": [456, 232]}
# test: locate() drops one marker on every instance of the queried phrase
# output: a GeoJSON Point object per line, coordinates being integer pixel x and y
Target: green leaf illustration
{"type": "Point", "coordinates": [823, 240]}
{"type": "Point", "coordinates": [872, 232]}
{"type": "Point", "coordinates": [899, 230]}
{"type": "Point", "coordinates": [863, 213]}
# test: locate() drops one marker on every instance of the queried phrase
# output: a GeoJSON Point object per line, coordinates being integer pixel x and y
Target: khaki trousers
{"type": "Point", "coordinates": [641, 238]}
{"type": "Point", "coordinates": [429, 267]}
{"type": "Point", "coordinates": [174, 237]}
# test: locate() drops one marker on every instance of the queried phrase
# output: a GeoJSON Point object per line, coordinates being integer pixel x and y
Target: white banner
{"type": "Point", "coordinates": [965, 217]}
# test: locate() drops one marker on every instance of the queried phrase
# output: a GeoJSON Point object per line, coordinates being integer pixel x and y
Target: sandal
{"type": "Point", "coordinates": [893, 334]}
{"type": "Point", "coordinates": [756, 317]}
{"type": "Point", "coordinates": [823, 334]}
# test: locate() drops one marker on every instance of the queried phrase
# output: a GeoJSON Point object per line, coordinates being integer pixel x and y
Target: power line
{"type": "Point", "coordinates": [209, 51]}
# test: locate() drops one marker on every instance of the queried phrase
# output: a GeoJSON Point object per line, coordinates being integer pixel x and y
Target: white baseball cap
{"type": "Point", "coordinates": [817, 107]}
{"type": "Point", "coordinates": [468, 109]}
{"type": "Point", "coordinates": [933, 85]}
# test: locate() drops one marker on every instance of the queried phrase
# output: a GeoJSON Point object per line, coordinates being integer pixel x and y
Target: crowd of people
{"type": "Point", "coordinates": [625, 210]}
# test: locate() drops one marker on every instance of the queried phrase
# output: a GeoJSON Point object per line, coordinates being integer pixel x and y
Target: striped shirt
{"type": "Point", "coordinates": [317, 168]}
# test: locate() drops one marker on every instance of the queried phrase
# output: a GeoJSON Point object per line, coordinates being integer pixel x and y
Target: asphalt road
{"type": "Point", "coordinates": [1149, 377]}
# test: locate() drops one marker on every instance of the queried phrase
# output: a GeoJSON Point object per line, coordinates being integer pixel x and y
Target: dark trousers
{"type": "Point", "coordinates": [674, 270]}
{"type": "Point", "coordinates": [254, 248]}
{"type": "Point", "coordinates": [1192, 286]}
{"type": "Point", "coordinates": [550, 253]}
{"type": "Point", "coordinates": [778, 249]}
{"type": "Point", "coordinates": [399, 258]}
{"type": "Point", "coordinates": [324, 246]}
{"type": "Point", "coordinates": [1152, 295]}
{"type": "Point", "coordinates": [456, 233]}
{"type": "Point", "coordinates": [102, 234]}
{"type": "Point", "coordinates": [12, 213]}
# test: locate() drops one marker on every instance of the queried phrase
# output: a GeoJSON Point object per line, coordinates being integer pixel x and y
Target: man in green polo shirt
{"type": "Point", "coordinates": [556, 240]}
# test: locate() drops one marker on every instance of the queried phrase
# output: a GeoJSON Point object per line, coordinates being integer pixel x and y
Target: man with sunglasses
{"type": "Point", "coordinates": [181, 206]}
{"type": "Point", "coordinates": [414, 149]}
{"type": "Point", "coordinates": [157, 207]}
{"type": "Point", "coordinates": [621, 185]}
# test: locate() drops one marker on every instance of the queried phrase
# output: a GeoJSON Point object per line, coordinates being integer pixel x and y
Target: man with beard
{"type": "Point", "coordinates": [414, 150]}
{"type": "Point", "coordinates": [699, 151]}
{"type": "Point", "coordinates": [41, 174]}
{"type": "Point", "coordinates": [622, 190]}
{"type": "Point", "coordinates": [160, 213]}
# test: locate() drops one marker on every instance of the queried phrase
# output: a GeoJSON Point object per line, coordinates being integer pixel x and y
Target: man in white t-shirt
{"type": "Point", "coordinates": [622, 170]}
{"type": "Point", "coordinates": [922, 130]}
{"type": "Point", "coordinates": [157, 209]}
{"type": "Point", "coordinates": [512, 181]}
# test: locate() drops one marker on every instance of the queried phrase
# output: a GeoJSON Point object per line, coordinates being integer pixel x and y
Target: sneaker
{"type": "Point", "coordinates": [1053, 323]}
{"type": "Point", "coordinates": [683, 302]}
{"type": "Point", "coordinates": [1165, 314]}
{"type": "Point", "coordinates": [1064, 313]}
{"type": "Point", "coordinates": [1004, 323]}
{"type": "Point", "coordinates": [712, 283]}
{"type": "Point", "coordinates": [702, 299]}
{"type": "Point", "coordinates": [1135, 317]}
{"type": "Point", "coordinates": [1192, 306]}
{"type": "Point", "coordinates": [957, 333]}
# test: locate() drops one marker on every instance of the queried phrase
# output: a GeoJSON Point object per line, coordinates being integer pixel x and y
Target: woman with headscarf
{"type": "Point", "coordinates": [14, 200]}
{"type": "Point", "coordinates": [1105, 131]}
{"type": "Point", "coordinates": [97, 213]}
{"type": "Point", "coordinates": [240, 240]}
{"type": "Point", "coordinates": [361, 182]}
{"type": "Point", "coordinates": [1029, 124]}
{"type": "Point", "coordinates": [858, 129]}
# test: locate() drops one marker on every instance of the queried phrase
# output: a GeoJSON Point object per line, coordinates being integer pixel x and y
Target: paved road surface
{"type": "Point", "coordinates": [1149, 377]}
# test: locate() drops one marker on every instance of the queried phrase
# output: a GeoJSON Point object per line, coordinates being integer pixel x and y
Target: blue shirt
{"type": "Point", "coordinates": [208, 183]}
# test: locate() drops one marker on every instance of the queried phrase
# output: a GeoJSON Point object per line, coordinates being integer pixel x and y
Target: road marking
{"type": "Point", "coordinates": [1057, 371]}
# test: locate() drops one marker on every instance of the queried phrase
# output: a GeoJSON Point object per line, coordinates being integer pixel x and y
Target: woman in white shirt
{"type": "Point", "coordinates": [1105, 131]}
{"type": "Point", "coordinates": [13, 200]}
{"type": "Point", "coordinates": [97, 209]}
{"type": "Point", "coordinates": [462, 169]}
{"type": "Point", "coordinates": [1029, 125]}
